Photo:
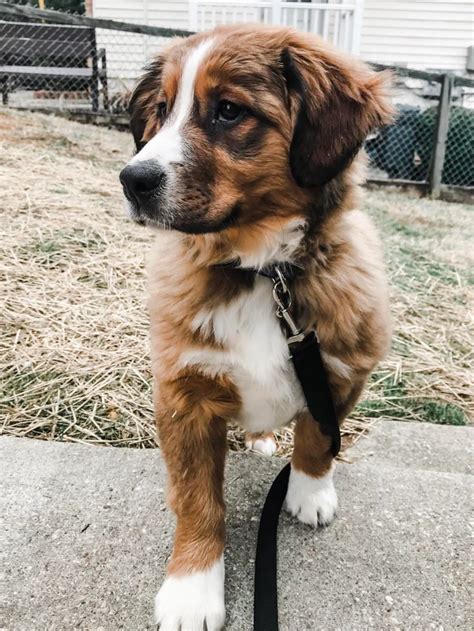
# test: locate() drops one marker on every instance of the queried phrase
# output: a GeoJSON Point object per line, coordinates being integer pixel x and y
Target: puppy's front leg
{"type": "Point", "coordinates": [191, 417]}
{"type": "Point", "coordinates": [311, 495]}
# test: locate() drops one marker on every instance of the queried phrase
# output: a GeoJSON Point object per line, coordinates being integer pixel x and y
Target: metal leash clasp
{"type": "Point", "coordinates": [282, 297]}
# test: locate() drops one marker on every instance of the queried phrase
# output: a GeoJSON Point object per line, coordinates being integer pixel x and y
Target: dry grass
{"type": "Point", "coordinates": [429, 373]}
{"type": "Point", "coordinates": [74, 342]}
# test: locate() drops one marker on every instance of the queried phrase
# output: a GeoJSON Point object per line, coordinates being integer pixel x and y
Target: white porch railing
{"type": "Point", "coordinates": [337, 21]}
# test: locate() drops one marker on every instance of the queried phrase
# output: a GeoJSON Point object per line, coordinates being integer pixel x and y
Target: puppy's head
{"type": "Point", "coordinates": [244, 123]}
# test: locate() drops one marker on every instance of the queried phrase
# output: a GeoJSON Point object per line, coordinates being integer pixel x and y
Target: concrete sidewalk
{"type": "Point", "coordinates": [86, 535]}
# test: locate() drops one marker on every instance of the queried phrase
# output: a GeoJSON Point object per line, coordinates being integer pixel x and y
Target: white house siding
{"type": "Point", "coordinates": [170, 13]}
{"type": "Point", "coordinates": [426, 34]}
{"type": "Point", "coordinates": [127, 53]}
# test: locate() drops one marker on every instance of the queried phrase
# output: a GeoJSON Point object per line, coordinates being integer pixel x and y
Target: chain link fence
{"type": "Point", "coordinates": [50, 60]}
{"type": "Point", "coordinates": [406, 150]}
{"type": "Point", "coordinates": [69, 62]}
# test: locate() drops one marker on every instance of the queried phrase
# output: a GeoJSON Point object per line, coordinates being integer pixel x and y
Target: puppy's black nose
{"type": "Point", "coordinates": [141, 179]}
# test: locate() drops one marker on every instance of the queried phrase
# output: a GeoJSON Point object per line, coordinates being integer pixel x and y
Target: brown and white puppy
{"type": "Point", "coordinates": [246, 142]}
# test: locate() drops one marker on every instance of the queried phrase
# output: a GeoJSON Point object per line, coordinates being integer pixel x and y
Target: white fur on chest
{"type": "Point", "coordinates": [255, 357]}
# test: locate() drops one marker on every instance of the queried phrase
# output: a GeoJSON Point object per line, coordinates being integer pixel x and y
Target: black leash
{"type": "Point", "coordinates": [305, 354]}
{"type": "Point", "coordinates": [265, 599]}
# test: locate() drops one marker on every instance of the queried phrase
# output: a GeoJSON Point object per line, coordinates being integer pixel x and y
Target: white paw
{"type": "Point", "coordinates": [193, 602]}
{"type": "Point", "coordinates": [312, 500]}
{"type": "Point", "coordinates": [266, 446]}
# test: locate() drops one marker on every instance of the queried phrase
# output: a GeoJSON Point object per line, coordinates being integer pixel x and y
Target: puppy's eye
{"type": "Point", "coordinates": [229, 112]}
{"type": "Point", "coordinates": [161, 110]}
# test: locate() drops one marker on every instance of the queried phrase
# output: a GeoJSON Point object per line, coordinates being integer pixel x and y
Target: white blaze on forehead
{"type": "Point", "coordinates": [168, 144]}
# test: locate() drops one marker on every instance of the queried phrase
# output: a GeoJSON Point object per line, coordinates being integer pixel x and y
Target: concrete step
{"type": "Point", "coordinates": [444, 448]}
{"type": "Point", "coordinates": [86, 535]}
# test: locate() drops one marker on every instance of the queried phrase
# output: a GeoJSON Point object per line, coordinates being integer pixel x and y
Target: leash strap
{"type": "Point", "coordinates": [265, 616]}
{"type": "Point", "coordinates": [305, 354]}
{"type": "Point", "coordinates": [311, 373]}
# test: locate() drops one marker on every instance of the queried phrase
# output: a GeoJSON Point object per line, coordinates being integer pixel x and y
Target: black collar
{"type": "Point", "coordinates": [290, 271]}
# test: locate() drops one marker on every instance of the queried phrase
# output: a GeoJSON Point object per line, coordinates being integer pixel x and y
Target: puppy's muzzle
{"type": "Point", "coordinates": [142, 181]}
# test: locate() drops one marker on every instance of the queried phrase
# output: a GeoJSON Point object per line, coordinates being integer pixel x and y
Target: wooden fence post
{"type": "Point", "coordinates": [440, 137]}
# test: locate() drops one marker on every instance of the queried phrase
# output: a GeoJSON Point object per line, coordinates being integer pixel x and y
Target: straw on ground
{"type": "Point", "coordinates": [74, 362]}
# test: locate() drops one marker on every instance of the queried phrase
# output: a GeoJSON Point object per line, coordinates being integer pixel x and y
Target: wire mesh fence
{"type": "Point", "coordinates": [405, 149]}
{"type": "Point", "coordinates": [86, 65]}
{"type": "Point", "coordinates": [69, 66]}
{"type": "Point", "coordinates": [459, 160]}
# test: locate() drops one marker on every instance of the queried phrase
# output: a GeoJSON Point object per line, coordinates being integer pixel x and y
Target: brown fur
{"type": "Point", "coordinates": [312, 108]}
{"type": "Point", "coordinates": [312, 449]}
{"type": "Point", "coordinates": [191, 413]}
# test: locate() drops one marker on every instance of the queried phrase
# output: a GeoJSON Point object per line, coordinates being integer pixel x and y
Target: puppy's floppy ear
{"type": "Point", "coordinates": [143, 100]}
{"type": "Point", "coordinates": [339, 102]}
